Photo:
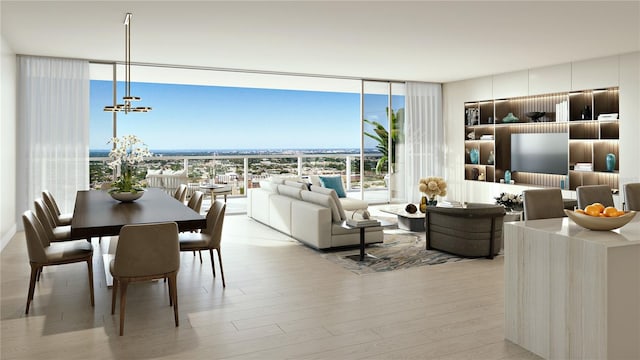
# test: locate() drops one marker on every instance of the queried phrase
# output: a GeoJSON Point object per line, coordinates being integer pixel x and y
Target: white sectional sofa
{"type": "Point", "coordinates": [310, 215]}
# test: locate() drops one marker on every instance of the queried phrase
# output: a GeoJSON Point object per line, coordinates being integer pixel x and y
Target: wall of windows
{"type": "Point", "coordinates": [227, 126]}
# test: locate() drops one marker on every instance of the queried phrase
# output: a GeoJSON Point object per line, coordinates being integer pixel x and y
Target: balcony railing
{"type": "Point", "coordinates": [231, 169]}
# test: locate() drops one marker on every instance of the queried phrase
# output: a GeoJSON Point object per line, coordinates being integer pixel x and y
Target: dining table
{"type": "Point", "coordinates": [97, 214]}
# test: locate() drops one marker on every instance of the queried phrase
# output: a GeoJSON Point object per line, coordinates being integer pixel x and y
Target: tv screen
{"type": "Point", "coordinates": [546, 153]}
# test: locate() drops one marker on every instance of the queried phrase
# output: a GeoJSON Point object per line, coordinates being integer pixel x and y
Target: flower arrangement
{"type": "Point", "coordinates": [509, 201]}
{"type": "Point", "coordinates": [128, 151]}
{"type": "Point", "coordinates": [433, 186]}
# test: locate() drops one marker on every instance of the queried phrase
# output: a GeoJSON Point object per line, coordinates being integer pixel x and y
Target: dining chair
{"type": "Point", "coordinates": [181, 193]}
{"type": "Point", "coordinates": [50, 201]}
{"type": "Point", "coordinates": [543, 204]}
{"type": "Point", "coordinates": [208, 238]}
{"type": "Point", "coordinates": [54, 233]}
{"type": "Point", "coordinates": [589, 194]}
{"type": "Point", "coordinates": [195, 204]}
{"type": "Point", "coordinates": [145, 252]}
{"type": "Point", "coordinates": [632, 196]}
{"type": "Point", "coordinates": [43, 253]}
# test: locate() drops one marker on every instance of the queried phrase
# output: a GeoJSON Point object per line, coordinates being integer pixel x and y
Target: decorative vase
{"type": "Point", "coordinates": [474, 156]}
{"type": "Point", "coordinates": [507, 177]}
{"type": "Point", "coordinates": [126, 196]}
{"type": "Point", "coordinates": [432, 201]}
{"type": "Point", "coordinates": [491, 159]}
{"type": "Point", "coordinates": [510, 118]}
{"type": "Point", "coordinates": [611, 162]}
{"type": "Point", "coordinates": [423, 204]}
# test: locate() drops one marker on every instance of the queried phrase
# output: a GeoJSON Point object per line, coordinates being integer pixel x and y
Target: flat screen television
{"type": "Point", "coordinates": [546, 153]}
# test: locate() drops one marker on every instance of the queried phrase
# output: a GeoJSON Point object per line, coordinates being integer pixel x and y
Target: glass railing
{"type": "Point", "coordinates": [242, 172]}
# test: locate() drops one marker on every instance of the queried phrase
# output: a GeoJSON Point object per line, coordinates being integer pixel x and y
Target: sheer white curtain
{"type": "Point", "coordinates": [53, 130]}
{"type": "Point", "coordinates": [422, 152]}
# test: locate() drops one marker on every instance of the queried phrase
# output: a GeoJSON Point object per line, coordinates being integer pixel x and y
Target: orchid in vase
{"type": "Point", "coordinates": [127, 152]}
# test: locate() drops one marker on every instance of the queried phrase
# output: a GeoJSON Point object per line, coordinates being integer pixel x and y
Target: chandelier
{"type": "Point", "coordinates": [127, 98]}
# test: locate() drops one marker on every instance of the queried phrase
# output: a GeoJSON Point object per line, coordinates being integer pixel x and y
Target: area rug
{"type": "Point", "coordinates": [400, 250]}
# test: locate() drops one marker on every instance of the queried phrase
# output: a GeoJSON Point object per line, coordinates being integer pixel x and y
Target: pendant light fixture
{"type": "Point", "coordinates": [127, 98]}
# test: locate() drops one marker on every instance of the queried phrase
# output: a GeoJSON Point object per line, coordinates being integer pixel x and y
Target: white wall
{"type": "Point", "coordinates": [7, 143]}
{"type": "Point", "coordinates": [620, 70]}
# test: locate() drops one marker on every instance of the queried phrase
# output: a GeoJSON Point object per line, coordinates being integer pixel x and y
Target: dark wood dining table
{"type": "Point", "coordinates": [96, 213]}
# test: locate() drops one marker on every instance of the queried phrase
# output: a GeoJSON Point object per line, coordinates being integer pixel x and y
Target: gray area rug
{"type": "Point", "coordinates": [400, 250]}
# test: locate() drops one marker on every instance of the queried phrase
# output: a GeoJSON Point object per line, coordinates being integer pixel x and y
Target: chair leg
{"type": "Point", "coordinates": [123, 303]}
{"type": "Point", "coordinates": [194, 253]}
{"type": "Point", "coordinates": [173, 290]}
{"type": "Point", "coordinates": [200, 253]}
{"type": "Point", "coordinates": [213, 268]}
{"type": "Point", "coordinates": [170, 290]}
{"type": "Point", "coordinates": [35, 269]}
{"type": "Point", "coordinates": [114, 292]}
{"type": "Point", "coordinates": [221, 270]}
{"type": "Point", "coordinates": [38, 275]}
{"type": "Point", "coordinates": [90, 268]}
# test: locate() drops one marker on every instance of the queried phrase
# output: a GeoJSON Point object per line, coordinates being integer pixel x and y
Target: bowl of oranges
{"type": "Point", "coordinates": [598, 217]}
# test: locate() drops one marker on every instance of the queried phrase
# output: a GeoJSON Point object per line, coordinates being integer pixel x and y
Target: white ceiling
{"type": "Point", "coordinates": [419, 40]}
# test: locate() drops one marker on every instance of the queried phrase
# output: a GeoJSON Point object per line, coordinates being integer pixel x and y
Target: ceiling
{"type": "Point", "coordinates": [418, 40]}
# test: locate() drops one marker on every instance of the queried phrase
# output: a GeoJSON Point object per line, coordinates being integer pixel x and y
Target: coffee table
{"type": "Point", "coordinates": [217, 189]}
{"type": "Point", "coordinates": [406, 221]}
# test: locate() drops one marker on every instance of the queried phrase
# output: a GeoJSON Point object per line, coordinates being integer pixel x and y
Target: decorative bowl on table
{"type": "Point", "coordinates": [126, 196]}
{"type": "Point", "coordinates": [600, 223]}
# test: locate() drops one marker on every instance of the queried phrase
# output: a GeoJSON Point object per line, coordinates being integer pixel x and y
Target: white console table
{"type": "Point", "coordinates": [573, 293]}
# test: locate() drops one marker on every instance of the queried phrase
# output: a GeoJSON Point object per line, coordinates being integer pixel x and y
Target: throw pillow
{"type": "Point", "coordinates": [335, 183]}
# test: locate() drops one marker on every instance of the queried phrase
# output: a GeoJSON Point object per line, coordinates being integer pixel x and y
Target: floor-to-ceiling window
{"type": "Point", "coordinates": [241, 127]}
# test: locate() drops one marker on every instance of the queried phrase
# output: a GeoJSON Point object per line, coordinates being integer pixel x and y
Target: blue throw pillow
{"type": "Point", "coordinates": [335, 183]}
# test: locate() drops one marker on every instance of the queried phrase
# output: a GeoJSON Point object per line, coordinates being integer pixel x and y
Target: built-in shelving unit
{"type": "Point", "coordinates": [588, 118]}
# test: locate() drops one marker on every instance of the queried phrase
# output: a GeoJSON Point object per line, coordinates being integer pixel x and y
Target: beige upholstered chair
{"type": "Point", "coordinates": [195, 202]}
{"type": "Point", "coordinates": [181, 193]}
{"type": "Point", "coordinates": [54, 233]}
{"type": "Point", "coordinates": [52, 205]}
{"type": "Point", "coordinates": [589, 194]}
{"type": "Point", "coordinates": [209, 238]}
{"type": "Point", "coordinates": [42, 253]}
{"type": "Point", "coordinates": [543, 204]}
{"type": "Point", "coordinates": [145, 252]}
{"type": "Point", "coordinates": [632, 196]}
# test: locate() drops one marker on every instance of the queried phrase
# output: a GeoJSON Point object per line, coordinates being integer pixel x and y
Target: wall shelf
{"type": "Point", "coordinates": [575, 113]}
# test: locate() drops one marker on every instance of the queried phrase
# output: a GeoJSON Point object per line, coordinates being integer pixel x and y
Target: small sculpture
{"type": "Point", "coordinates": [411, 209]}
{"type": "Point", "coordinates": [535, 115]}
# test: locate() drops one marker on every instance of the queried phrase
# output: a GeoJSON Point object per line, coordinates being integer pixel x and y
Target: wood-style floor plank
{"type": "Point", "coordinates": [282, 301]}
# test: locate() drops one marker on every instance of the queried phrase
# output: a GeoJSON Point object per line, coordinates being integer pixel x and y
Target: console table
{"type": "Point", "coordinates": [573, 293]}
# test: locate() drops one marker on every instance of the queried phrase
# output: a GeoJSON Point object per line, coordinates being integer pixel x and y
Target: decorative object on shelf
{"type": "Point", "coordinates": [432, 186]}
{"type": "Point", "coordinates": [472, 114]}
{"type": "Point", "coordinates": [475, 174]}
{"type": "Point", "coordinates": [586, 113]}
{"type": "Point", "coordinates": [510, 202]}
{"type": "Point", "coordinates": [471, 135]}
{"type": "Point", "coordinates": [474, 155]}
{"type": "Point", "coordinates": [611, 162]}
{"type": "Point", "coordinates": [411, 209]}
{"type": "Point", "coordinates": [535, 115]}
{"type": "Point", "coordinates": [491, 159]}
{"type": "Point", "coordinates": [127, 98]}
{"type": "Point", "coordinates": [481, 177]}
{"type": "Point", "coordinates": [490, 120]}
{"type": "Point", "coordinates": [510, 118]}
{"type": "Point", "coordinates": [507, 176]}
{"type": "Point", "coordinates": [612, 116]}
{"type": "Point", "coordinates": [127, 152]}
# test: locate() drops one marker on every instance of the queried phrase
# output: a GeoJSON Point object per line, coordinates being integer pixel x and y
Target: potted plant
{"type": "Point", "coordinates": [127, 152]}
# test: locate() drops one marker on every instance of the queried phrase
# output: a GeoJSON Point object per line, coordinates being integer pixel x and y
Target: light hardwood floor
{"type": "Point", "coordinates": [282, 301]}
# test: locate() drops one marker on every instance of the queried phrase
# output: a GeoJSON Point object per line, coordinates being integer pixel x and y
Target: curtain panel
{"type": "Point", "coordinates": [53, 130]}
{"type": "Point", "coordinates": [422, 151]}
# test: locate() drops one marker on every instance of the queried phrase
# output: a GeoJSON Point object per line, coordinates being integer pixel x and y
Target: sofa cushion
{"type": "Point", "coordinates": [297, 184]}
{"type": "Point", "coordinates": [290, 191]}
{"type": "Point", "coordinates": [322, 200]}
{"type": "Point", "coordinates": [334, 195]}
{"type": "Point", "coordinates": [270, 186]}
{"type": "Point", "coordinates": [335, 183]}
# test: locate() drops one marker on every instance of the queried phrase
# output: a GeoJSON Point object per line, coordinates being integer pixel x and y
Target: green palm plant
{"type": "Point", "coordinates": [381, 135]}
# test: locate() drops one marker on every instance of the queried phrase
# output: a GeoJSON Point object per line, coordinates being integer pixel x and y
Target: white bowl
{"type": "Point", "coordinates": [126, 196]}
{"type": "Point", "coordinates": [600, 223]}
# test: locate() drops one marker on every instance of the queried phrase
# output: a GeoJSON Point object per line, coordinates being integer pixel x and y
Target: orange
{"type": "Point", "coordinates": [610, 211]}
{"type": "Point", "coordinates": [592, 210]}
{"type": "Point", "coordinates": [620, 213]}
{"type": "Point", "coordinates": [599, 206]}
{"type": "Point", "coordinates": [580, 211]}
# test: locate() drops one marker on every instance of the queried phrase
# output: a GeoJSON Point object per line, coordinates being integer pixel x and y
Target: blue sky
{"type": "Point", "coordinates": [192, 117]}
